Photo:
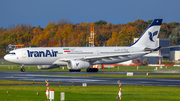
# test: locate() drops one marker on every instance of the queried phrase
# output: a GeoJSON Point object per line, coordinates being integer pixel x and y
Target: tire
{"type": "Point", "coordinates": [73, 70]}
{"type": "Point", "coordinates": [22, 70]}
{"type": "Point", "coordinates": [92, 70]}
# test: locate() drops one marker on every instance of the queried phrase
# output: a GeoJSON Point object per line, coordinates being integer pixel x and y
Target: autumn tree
{"type": "Point", "coordinates": [100, 22]}
{"type": "Point", "coordinates": [127, 35]}
{"type": "Point", "coordinates": [175, 36]}
{"type": "Point", "coordinates": [113, 40]}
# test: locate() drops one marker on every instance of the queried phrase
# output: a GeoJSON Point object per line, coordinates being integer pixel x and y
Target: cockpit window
{"type": "Point", "coordinates": [12, 53]}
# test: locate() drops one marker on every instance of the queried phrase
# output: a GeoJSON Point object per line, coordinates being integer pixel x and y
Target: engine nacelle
{"type": "Point", "coordinates": [47, 66]}
{"type": "Point", "coordinates": [78, 64]}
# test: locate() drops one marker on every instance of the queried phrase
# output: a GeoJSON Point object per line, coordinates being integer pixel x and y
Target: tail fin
{"type": "Point", "coordinates": [149, 37]}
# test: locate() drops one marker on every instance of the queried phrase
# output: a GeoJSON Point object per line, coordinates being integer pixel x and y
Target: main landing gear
{"type": "Point", "coordinates": [92, 70]}
{"type": "Point", "coordinates": [74, 70]}
{"type": "Point", "coordinates": [22, 68]}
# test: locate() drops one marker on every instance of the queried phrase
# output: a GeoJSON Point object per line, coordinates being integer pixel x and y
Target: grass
{"type": "Point", "coordinates": [141, 68]}
{"type": "Point", "coordinates": [28, 68]}
{"type": "Point", "coordinates": [91, 93]}
{"type": "Point", "coordinates": [116, 69]}
{"type": "Point", "coordinates": [5, 63]}
{"type": "Point", "coordinates": [4, 82]}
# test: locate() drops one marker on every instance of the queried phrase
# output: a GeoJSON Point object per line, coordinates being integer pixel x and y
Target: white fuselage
{"type": "Point", "coordinates": [48, 55]}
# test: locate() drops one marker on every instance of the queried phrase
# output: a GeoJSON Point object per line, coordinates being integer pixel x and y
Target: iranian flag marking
{"type": "Point", "coordinates": [66, 50]}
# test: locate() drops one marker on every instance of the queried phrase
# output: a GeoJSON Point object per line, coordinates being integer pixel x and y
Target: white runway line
{"type": "Point", "coordinates": [169, 80]}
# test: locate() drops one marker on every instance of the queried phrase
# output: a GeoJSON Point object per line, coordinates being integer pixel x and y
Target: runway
{"type": "Point", "coordinates": [78, 80]}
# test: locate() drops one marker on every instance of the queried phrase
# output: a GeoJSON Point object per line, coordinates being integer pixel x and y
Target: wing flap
{"type": "Point", "coordinates": [100, 57]}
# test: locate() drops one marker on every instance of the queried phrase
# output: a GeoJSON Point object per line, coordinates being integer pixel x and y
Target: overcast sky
{"type": "Point", "coordinates": [40, 12]}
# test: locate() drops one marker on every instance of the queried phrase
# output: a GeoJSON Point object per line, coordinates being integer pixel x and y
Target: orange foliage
{"type": "Point", "coordinates": [66, 34]}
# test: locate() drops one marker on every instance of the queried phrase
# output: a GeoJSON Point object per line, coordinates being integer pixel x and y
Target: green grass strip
{"type": "Point", "coordinates": [115, 69]}
{"type": "Point", "coordinates": [24, 82]}
{"type": "Point", "coordinates": [91, 93]}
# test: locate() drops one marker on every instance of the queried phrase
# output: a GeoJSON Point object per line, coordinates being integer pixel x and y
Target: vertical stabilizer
{"type": "Point", "coordinates": [149, 37]}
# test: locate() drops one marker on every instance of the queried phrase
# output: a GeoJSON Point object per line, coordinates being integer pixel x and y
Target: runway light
{"type": "Point", "coordinates": [84, 84]}
{"type": "Point", "coordinates": [147, 74]}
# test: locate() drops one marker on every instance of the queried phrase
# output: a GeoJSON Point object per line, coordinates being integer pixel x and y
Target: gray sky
{"type": "Point", "coordinates": [40, 12]}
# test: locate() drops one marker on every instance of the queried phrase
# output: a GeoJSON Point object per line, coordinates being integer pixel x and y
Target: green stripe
{"type": "Point", "coordinates": [65, 48]}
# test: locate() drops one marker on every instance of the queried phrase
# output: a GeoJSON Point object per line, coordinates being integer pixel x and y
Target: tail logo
{"type": "Point", "coordinates": [152, 35]}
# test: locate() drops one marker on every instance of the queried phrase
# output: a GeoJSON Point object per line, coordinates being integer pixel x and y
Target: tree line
{"type": "Point", "coordinates": [66, 34]}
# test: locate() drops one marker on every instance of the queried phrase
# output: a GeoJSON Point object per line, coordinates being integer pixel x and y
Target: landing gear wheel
{"type": "Point", "coordinates": [72, 70]}
{"type": "Point", "coordinates": [22, 70]}
{"type": "Point", "coordinates": [92, 70]}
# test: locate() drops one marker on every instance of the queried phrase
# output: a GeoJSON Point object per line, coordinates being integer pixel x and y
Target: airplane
{"type": "Point", "coordinates": [77, 58]}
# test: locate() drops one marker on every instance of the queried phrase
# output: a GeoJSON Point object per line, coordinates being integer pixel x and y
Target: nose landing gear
{"type": "Point", "coordinates": [22, 68]}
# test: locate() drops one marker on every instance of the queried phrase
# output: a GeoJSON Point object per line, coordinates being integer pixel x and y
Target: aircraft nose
{"type": "Point", "coordinates": [5, 57]}
{"type": "Point", "coordinates": [10, 58]}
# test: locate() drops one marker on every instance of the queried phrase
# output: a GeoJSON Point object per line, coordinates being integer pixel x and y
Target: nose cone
{"type": "Point", "coordinates": [6, 57]}
{"type": "Point", "coordinates": [9, 58]}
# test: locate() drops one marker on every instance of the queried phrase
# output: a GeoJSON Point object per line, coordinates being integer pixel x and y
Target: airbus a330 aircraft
{"type": "Point", "coordinates": [77, 58]}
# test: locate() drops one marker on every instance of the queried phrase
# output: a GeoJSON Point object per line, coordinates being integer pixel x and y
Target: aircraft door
{"type": "Point", "coordinates": [24, 54]}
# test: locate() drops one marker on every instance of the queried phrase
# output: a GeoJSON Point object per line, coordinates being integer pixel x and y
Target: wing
{"type": "Point", "coordinates": [155, 33]}
{"type": "Point", "coordinates": [99, 57]}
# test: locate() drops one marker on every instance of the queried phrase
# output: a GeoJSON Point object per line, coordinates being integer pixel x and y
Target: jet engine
{"type": "Point", "coordinates": [77, 64]}
{"type": "Point", "coordinates": [47, 66]}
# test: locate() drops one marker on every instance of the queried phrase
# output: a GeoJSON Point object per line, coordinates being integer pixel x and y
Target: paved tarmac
{"type": "Point", "coordinates": [78, 80]}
